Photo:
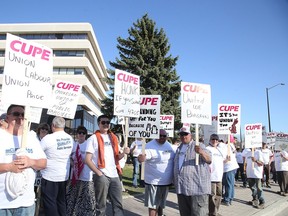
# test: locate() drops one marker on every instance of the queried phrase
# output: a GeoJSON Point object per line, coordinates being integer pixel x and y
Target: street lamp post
{"type": "Point", "coordinates": [268, 109]}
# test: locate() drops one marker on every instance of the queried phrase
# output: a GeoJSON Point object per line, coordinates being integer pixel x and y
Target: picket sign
{"type": "Point", "coordinates": [197, 142]}
{"type": "Point", "coordinates": [143, 163]}
{"type": "Point", "coordinates": [26, 127]}
{"type": "Point", "coordinates": [252, 155]}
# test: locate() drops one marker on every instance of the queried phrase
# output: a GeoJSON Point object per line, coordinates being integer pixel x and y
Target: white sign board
{"type": "Point", "coordinates": [65, 99]}
{"type": "Point", "coordinates": [27, 78]}
{"type": "Point", "coordinates": [229, 118]}
{"type": "Point", "coordinates": [253, 135]}
{"type": "Point", "coordinates": [281, 142]}
{"type": "Point", "coordinates": [35, 114]}
{"type": "Point", "coordinates": [148, 124]}
{"type": "Point", "coordinates": [126, 94]}
{"type": "Point", "coordinates": [167, 123]}
{"type": "Point", "coordinates": [195, 103]}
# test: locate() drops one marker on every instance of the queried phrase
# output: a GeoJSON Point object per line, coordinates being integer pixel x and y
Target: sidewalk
{"type": "Point", "coordinates": [274, 204]}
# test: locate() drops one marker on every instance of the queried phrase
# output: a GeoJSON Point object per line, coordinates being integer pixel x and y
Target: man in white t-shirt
{"type": "Point", "coordinates": [281, 166]}
{"type": "Point", "coordinates": [218, 156]}
{"type": "Point", "coordinates": [12, 201]}
{"type": "Point", "coordinates": [102, 157]}
{"type": "Point", "coordinates": [254, 170]}
{"type": "Point", "coordinates": [136, 149]}
{"type": "Point", "coordinates": [158, 174]}
{"type": "Point", "coordinates": [267, 157]}
{"type": "Point", "coordinates": [58, 148]}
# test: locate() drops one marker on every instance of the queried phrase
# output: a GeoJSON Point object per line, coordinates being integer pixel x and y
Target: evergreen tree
{"type": "Point", "coordinates": [146, 53]}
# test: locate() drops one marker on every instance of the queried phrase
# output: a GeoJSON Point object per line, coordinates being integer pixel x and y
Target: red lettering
{"type": "Point", "coordinates": [19, 46]}
{"type": "Point", "coordinates": [68, 86]}
{"type": "Point", "coordinates": [127, 78]}
{"type": "Point", "coordinates": [151, 101]}
{"type": "Point", "coordinates": [194, 88]}
{"type": "Point", "coordinates": [166, 118]}
{"type": "Point", "coordinates": [214, 118]}
{"type": "Point", "coordinates": [229, 108]}
{"type": "Point", "coordinates": [253, 127]}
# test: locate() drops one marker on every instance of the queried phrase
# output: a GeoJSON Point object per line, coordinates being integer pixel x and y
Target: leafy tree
{"type": "Point", "coordinates": [146, 53]}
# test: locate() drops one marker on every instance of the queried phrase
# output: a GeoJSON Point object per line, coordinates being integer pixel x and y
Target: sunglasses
{"type": "Point", "coordinates": [17, 114]}
{"type": "Point", "coordinates": [164, 136]}
{"type": "Point", "coordinates": [105, 122]}
{"type": "Point", "coordinates": [81, 133]}
{"type": "Point", "coordinates": [44, 129]}
{"type": "Point", "coordinates": [183, 134]}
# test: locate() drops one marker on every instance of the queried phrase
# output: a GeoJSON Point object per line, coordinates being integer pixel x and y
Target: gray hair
{"type": "Point", "coordinates": [58, 122]}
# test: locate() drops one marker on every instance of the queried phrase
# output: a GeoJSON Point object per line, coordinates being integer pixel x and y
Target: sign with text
{"type": "Point", "coordinates": [195, 103]}
{"type": "Point", "coordinates": [167, 123]}
{"type": "Point", "coordinates": [212, 129]}
{"type": "Point", "coordinates": [229, 118]}
{"type": "Point", "coordinates": [147, 125]}
{"type": "Point", "coordinates": [27, 77]}
{"type": "Point", "coordinates": [65, 99]}
{"type": "Point", "coordinates": [281, 142]}
{"type": "Point", "coordinates": [253, 135]}
{"type": "Point", "coordinates": [126, 94]}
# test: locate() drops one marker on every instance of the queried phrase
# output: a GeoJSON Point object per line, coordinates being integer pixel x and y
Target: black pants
{"type": "Point", "coordinates": [53, 196]}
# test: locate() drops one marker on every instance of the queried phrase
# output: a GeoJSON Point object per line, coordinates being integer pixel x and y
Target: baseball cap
{"type": "Point", "coordinates": [184, 130]}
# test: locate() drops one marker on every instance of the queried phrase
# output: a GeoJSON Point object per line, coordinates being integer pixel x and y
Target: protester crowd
{"type": "Point", "coordinates": [79, 176]}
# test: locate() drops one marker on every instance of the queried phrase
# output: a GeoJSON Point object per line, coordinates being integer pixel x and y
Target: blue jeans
{"type": "Point", "coordinates": [21, 211]}
{"type": "Point", "coordinates": [228, 185]}
{"type": "Point", "coordinates": [256, 187]}
{"type": "Point", "coordinates": [136, 170]}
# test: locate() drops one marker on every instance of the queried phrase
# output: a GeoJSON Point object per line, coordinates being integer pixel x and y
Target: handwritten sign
{"type": "Point", "coordinates": [148, 124]}
{"type": "Point", "coordinates": [28, 73]}
{"type": "Point", "coordinates": [126, 94]}
{"type": "Point", "coordinates": [229, 118]}
{"type": "Point", "coordinates": [195, 103]}
{"type": "Point", "coordinates": [281, 142]}
{"type": "Point", "coordinates": [167, 123]}
{"type": "Point", "coordinates": [65, 99]}
{"type": "Point", "coordinates": [253, 135]}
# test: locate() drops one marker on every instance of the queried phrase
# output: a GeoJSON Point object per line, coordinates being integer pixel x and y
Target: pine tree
{"type": "Point", "coordinates": [146, 53]}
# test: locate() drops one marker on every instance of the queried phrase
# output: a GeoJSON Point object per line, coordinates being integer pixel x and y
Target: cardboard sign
{"type": "Point", "coordinates": [126, 94]}
{"type": "Point", "coordinates": [167, 123]}
{"type": "Point", "coordinates": [28, 70]}
{"type": "Point", "coordinates": [148, 124]}
{"type": "Point", "coordinates": [195, 103]}
{"type": "Point", "coordinates": [229, 118]}
{"type": "Point", "coordinates": [65, 99]}
{"type": "Point", "coordinates": [253, 135]}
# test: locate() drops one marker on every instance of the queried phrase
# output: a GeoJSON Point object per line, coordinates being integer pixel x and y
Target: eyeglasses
{"type": "Point", "coordinates": [81, 133]}
{"type": "Point", "coordinates": [164, 136]}
{"type": "Point", "coordinates": [105, 122]}
{"type": "Point", "coordinates": [183, 134]}
{"type": "Point", "coordinates": [17, 114]}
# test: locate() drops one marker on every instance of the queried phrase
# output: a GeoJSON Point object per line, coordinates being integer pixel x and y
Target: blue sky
{"type": "Point", "coordinates": [239, 47]}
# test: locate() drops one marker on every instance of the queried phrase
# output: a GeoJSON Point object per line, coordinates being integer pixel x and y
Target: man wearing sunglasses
{"type": "Point", "coordinates": [18, 202]}
{"type": "Point", "coordinates": [102, 157]}
{"type": "Point", "coordinates": [192, 182]}
{"type": "Point", "coordinates": [158, 174]}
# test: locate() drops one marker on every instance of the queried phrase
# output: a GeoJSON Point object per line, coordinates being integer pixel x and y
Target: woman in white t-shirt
{"type": "Point", "coordinates": [80, 197]}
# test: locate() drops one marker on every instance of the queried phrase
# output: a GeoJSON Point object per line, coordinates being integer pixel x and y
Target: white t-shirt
{"type": "Point", "coordinates": [110, 169]}
{"type": "Point", "coordinates": [159, 163]}
{"type": "Point", "coordinates": [218, 155]}
{"type": "Point", "coordinates": [87, 173]}
{"type": "Point", "coordinates": [138, 148]}
{"type": "Point", "coordinates": [232, 164]}
{"type": "Point", "coordinates": [58, 147]}
{"type": "Point", "coordinates": [267, 154]}
{"type": "Point", "coordinates": [239, 157]}
{"type": "Point", "coordinates": [257, 171]}
{"type": "Point", "coordinates": [8, 146]}
{"type": "Point", "coordinates": [281, 165]}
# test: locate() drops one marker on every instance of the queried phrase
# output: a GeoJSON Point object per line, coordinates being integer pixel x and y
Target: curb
{"type": "Point", "coordinates": [274, 208]}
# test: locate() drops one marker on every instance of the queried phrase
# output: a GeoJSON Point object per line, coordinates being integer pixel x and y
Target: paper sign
{"type": "Point", "coordinates": [27, 78]}
{"type": "Point", "coordinates": [167, 123]}
{"type": "Point", "coordinates": [229, 118]}
{"type": "Point", "coordinates": [148, 124]}
{"type": "Point", "coordinates": [281, 142]}
{"type": "Point", "coordinates": [253, 135]}
{"type": "Point", "coordinates": [195, 103]}
{"type": "Point", "coordinates": [65, 99]}
{"type": "Point", "coordinates": [126, 94]}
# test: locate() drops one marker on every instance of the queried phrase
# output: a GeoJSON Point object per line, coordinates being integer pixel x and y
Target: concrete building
{"type": "Point", "coordinates": [77, 58]}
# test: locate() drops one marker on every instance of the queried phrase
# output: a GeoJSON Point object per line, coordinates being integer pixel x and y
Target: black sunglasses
{"type": "Point", "coordinates": [105, 122]}
{"type": "Point", "coordinates": [183, 134]}
{"type": "Point", "coordinates": [163, 135]}
{"type": "Point", "coordinates": [17, 114]}
{"type": "Point", "coordinates": [81, 132]}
